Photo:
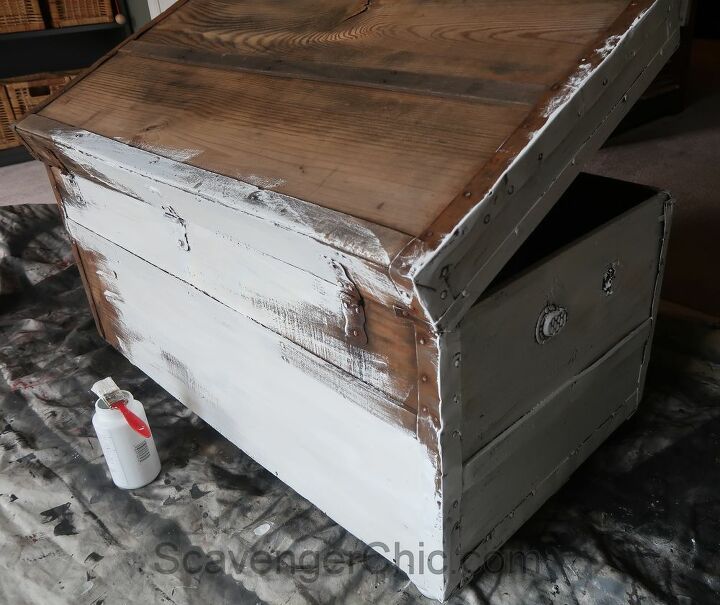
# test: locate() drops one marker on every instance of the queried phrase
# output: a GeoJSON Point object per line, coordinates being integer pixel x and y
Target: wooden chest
{"type": "Point", "coordinates": [336, 230]}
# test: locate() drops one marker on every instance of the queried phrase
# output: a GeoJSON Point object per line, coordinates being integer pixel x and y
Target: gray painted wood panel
{"type": "Point", "coordinates": [605, 282]}
{"type": "Point", "coordinates": [511, 477]}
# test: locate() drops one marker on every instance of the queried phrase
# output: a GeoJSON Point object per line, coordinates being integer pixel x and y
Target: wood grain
{"type": "Point", "coordinates": [391, 158]}
{"type": "Point", "coordinates": [518, 41]}
{"type": "Point", "coordinates": [469, 244]}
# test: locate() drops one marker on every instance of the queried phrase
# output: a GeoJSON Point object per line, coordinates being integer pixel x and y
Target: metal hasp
{"type": "Point", "coordinates": [352, 307]}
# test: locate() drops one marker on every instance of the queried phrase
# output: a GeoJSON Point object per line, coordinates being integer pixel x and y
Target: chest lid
{"type": "Point", "coordinates": [450, 128]}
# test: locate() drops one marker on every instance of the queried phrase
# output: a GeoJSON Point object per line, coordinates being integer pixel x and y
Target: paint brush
{"type": "Point", "coordinates": [110, 393]}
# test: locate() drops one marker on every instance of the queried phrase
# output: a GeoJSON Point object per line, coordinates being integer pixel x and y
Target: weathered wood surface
{"type": "Point", "coordinates": [299, 305]}
{"type": "Point", "coordinates": [158, 180]}
{"type": "Point", "coordinates": [415, 144]}
{"type": "Point", "coordinates": [527, 44]}
{"type": "Point", "coordinates": [468, 244]}
{"type": "Point", "coordinates": [506, 371]}
{"type": "Point", "coordinates": [509, 479]}
{"type": "Point", "coordinates": [367, 152]}
{"type": "Point", "coordinates": [330, 436]}
{"type": "Point", "coordinates": [457, 124]}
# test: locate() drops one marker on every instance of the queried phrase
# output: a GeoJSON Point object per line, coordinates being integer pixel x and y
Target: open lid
{"type": "Point", "coordinates": [454, 124]}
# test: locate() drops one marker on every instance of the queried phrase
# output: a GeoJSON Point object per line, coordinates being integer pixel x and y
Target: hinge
{"type": "Point", "coordinates": [352, 307]}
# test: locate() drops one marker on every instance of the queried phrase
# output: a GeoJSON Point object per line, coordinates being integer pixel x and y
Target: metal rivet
{"type": "Point", "coordinates": [486, 219]}
{"type": "Point", "coordinates": [464, 293]}
{"type": "Point", "coordinates": [444, 272]}
{"type": "Point", "coordinates": [354, 332]}
{"type": "Point", "coordinates": [605, 81]}
{"type": "Point", "coordinates": [443, 294]}
{"type": "Point", "coordinates": [455, 504]}
{"type": "Point", "coordinates": [467, 194]}
{"type": "Point", "coordinates": [456, 434]}
{"type": "Point", "coordinates": [422, 341]}
{"type": "Point", "coordinates": [540, 156]}
{"type": "Point", "coordinates": [510, 189]}
{"type": "Point", "coordinates": [424, 378]}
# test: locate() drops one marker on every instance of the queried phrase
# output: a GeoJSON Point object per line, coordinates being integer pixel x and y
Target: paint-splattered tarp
{"type": "Point", "coordinates": [638, 523]}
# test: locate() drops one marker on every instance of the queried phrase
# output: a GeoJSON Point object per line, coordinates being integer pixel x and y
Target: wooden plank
{"type": "Point", "coordinates": [476, 557]}
{"type": "Point", "coordinates": [444, 85]}
{"type": "Point", "coordinates": [391, 158]}
{"type": "Point", "coordinates": [517, 41]}
{"type": "Point", "coordinates": [329, 436]}
{"type": "Point", "coordinates": [522, 463]}
{"type": "Point", "coordinates": [657, 289]}
{"type": "Point", "coordinates": [299, 305]}
{"type": "Point", "coordinates": [291, 230]}
{"type": "Point", "coordinates": [54, 176]}
{"type": "Point", "coordinates": [599, 314]}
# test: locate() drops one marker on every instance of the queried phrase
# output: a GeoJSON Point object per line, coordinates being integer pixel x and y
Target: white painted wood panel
{"type": "Point", "coordinates": [287, 299]}
{"type": "Point", "coordinates": [317, 428]}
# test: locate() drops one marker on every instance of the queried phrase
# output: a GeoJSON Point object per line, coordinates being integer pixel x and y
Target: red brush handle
{"type": "Point", "coordinates": [136, 423]}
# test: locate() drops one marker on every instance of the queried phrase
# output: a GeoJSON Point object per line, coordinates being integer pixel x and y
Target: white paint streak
{"type": "Point", "coordinates": [261, 182]}
{"type": "Point", "coordinates": [609, 46]}
{"type": "Point", "coordinates": [179, 155]}
{"type": "Point", "coordinates": [573, 84]}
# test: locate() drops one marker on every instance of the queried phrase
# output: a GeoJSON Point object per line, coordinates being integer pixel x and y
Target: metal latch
{"type": "Point", "coordinates": [352, 307]}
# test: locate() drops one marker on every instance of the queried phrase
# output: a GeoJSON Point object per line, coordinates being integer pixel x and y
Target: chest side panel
{"type": "Point", "coordinates": [509, 479]}
{"type": "Point", "coordinates": [596, 291]}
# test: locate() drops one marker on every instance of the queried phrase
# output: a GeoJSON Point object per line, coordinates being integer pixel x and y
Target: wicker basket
{"type": "Point", "coordinates": [7, 134]}
{"type": "Point", "coordinates": [66, 13]}
{"type": "Point", "coordinates": [28, 92]}
{"type": "Point", "coordinates": [20, 16]}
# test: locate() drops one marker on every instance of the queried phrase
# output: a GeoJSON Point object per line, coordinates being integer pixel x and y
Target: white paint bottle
{"type": "Point", "coordinates": [130, 454]}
